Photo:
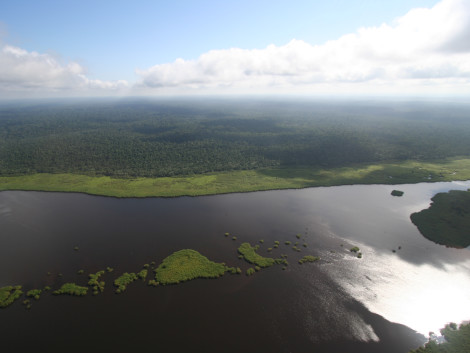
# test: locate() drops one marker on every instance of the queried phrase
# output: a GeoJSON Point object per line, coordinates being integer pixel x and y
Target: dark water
{"type": "Point", "coordinates": [339, 304]}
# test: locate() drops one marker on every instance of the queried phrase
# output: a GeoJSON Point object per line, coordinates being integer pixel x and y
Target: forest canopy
{"type": "Point", "coordinates": [154, 138]}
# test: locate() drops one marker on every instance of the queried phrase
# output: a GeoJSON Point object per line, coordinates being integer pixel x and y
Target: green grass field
{"type": "Point", "coordinates": [245, 180]}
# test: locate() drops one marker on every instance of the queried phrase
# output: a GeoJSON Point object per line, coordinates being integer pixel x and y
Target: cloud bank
{"type": "Point", "coordinates": [425, 50]}
{"type": "Point", "coordinates": [30, 72]}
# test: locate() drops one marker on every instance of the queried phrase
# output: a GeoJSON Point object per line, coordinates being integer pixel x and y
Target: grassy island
{"type": "Point", "coordinates": [457, 341]}
{"type": "Point", "coordinates": [9, 294]}
{"type": "Point", "coordinates": [397, 193]}
{"type": "Point", "coordinates": [122, 281]}
{"type": "Point", "coordinates": [249, 254]}
{"type": "Point", "coordinates": [447, 220]}
{"type": "Point", "coordinates": [185, 265]}
{"type": "Point", "coordinates": [71, 289]}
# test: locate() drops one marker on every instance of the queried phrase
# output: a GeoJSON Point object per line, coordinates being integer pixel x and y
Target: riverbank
{"type": "Point", "coordinates": [245, 180]}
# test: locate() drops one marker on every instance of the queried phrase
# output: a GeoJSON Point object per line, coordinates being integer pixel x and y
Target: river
{"type": "Point", "coordinates": [402, 288]}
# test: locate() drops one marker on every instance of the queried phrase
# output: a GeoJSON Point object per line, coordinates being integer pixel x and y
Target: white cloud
{"type": "Point", "coordinates": [23, 71]}
{"type": "Point", "coordinates": [425, 50]}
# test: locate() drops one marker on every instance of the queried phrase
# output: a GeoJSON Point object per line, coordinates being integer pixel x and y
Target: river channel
{"type": "Point", "coordinates": [403, 287]}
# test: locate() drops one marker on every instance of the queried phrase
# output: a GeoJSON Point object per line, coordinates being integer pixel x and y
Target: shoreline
{"type": "Point", "coordinates": [240, 181]}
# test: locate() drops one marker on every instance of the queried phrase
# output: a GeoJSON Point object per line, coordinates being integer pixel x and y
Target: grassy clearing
{"type": "Point", "coordinates": [447, 220]}
{"type": "Point", "coordinates": [185, 265]}
{"type": "Point", "coordinates": [71, 289]}
{"type": "Point", "coordinates": [245, 180]}
{"type": "Point", "coordinates": [9, 294]}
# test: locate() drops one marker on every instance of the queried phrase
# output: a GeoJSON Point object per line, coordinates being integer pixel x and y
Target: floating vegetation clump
{"type": "Point", "coordinates": [34, 293]}
{"type": "Point", "coordinates": [9, 294]}
{"type": "Point", "coordinates": [142, 274]}
{"type": "Point", "coordinates": [185, 265]}
{"type": "Point", "coordinates": [71, 289]}
{"type": "Point", "coordinates": [124, 280]}
{"type": "Point", "coordinates": [95, 283]}
{"type": "Point", "coordinates": [354, 249]}
{"type": "Point", "coordinates": [308, 258]}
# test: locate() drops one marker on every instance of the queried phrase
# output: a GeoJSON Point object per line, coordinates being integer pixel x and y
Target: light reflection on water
{"type": "Point", "coordinates": [423, 294]}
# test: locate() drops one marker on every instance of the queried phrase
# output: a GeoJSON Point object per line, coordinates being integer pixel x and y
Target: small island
{"type": "Point", "coordinates": [397, 193]}
{"type": "Point", "coordinates": [185, 265]}
{"type": "Point", "coordinates": [71, 289]}
{"type": "Point", "coordinates": [447, 220]}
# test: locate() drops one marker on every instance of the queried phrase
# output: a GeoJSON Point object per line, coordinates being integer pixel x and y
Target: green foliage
{"type": "Point", "coordinates": [152, 282]}
{"type": "Point", "coordinates": [250, 255]}
{"type": "Point", "coordinates": [80, 272]}
{"type": "Point", "coordinates": [234, 238]}
{"type": "Point", "coordinates": [354, 249]}
{"type": "Point", "coordinates": [185, 265]}
{"type": "Point", "coordinates": [47, 288]}
{"type": "Point", "coordinates": [227, 234]}
{"type": "Point", "coordinates": [250, 271]}
{"type": "Point", "coordinates": [270, 249]}
{"type": "Point", "coordinates": [261, 241]}
{"type": "Point", "coordinates": [457, 341]}
{"type": "Point", "coordinates": [71, 289]}
{"type": "Point", "coordinates": [124, 280]}
{"type": "Point", "coordinates": [142, 274]}
{"type": "Point", "coordinates": [166, 149]}
{"type": "Point", "coordinates": [9, 294]}
{"type": "Point", "coordinates": [308, 258]}
{"type": "Point", "coordinates": [109, 269]}
{"type": "Point", "coordinates": [76, 248]}
{"type": "Point", "coordinates": [95, 283]}
{"type": "Point", "coordinates": [304, 245]}
{"type": "Point", "coordinates": [397, 193]}
{"type": "Point", "coordinates": [298, 236]}
{"type": "Point", "coordinates": [34, 293]}
{"type": "Point", "coordinates": [447, 220]}
{"type": "Point", "coordinates": [276, 242]}
{"type": "Point", "coordinates": [287, 242]}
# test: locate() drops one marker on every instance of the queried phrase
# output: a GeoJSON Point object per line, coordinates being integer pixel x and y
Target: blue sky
{"type": "Point", "coordinates": [155, 47]}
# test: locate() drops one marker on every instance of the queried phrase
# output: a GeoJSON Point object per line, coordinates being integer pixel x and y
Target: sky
{"type": "Point", "coordinates": [68, 48]}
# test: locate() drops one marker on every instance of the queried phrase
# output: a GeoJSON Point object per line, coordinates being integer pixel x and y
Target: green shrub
{"type": "Point", "coordinates": [354, 249]}
{"type": "Point", "coordinates": [95, 283]}
{"type": "Point", "coordinates": [34, 293]}
{"type": "Point", "coordinates": [250, 271]}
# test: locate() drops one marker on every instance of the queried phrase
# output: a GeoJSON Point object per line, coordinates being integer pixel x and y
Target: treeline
{"type": "Point", "coordinates": [166, 138]}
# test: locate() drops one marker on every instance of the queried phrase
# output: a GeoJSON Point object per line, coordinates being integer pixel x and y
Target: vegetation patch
{"type": "Point", "coordinates": [397, 193]}
{"type": "Point", "coordinates": [457, 341]}
{"type": "Point", "coordinates": [249, 254]}
{"type": "Point", "coordinates": [142, 274]}
{"type": "Point", "coordinates": [250, 271]}
{"type": "Point", "coordinates": [34, 293]}
{"type": "Point", "coordinates": [95, 283]}
{"type": "Point", "coordinates": [9, 294]}
{"type": "Point", "coordinates": [124, 280]}
{"type": "Point", "coordinates": [71, 289]}
{"type": "Point", "coordinates": [447, 220]}
{"type": "Point", "coordinates": [308, 258]}
{"type": "Point", "coordinates": [185, 265]}
{"type": "Point", "coordinates": [354, 249]}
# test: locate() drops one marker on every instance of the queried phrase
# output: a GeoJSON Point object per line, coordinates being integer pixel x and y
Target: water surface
{"type": "Point", "coordinates": [381, 302]}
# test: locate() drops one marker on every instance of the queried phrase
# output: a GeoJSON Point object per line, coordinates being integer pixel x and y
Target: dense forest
{"type": "Point", "coordinates": [142, 137]}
